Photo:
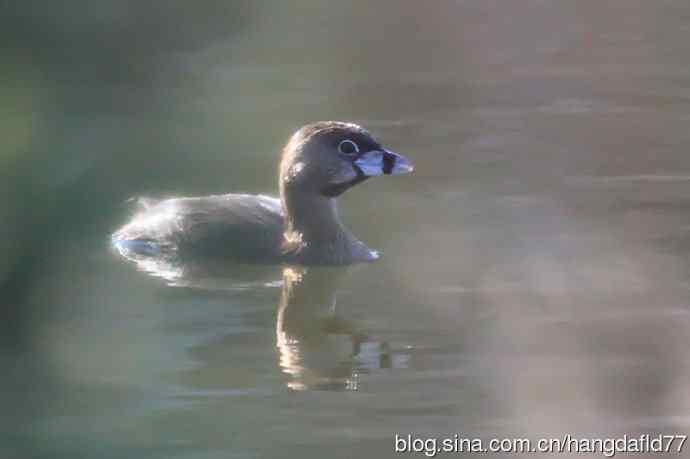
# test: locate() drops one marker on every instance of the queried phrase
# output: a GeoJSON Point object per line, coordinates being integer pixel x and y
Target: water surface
{"type": "Point", "coordinates": [534, 270]}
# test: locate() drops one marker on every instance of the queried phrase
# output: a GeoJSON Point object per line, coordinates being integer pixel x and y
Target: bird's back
{"type": "Point", "coordinates": [235, 226]}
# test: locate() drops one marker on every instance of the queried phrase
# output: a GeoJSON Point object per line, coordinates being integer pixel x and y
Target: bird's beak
{"type": "Point", "coordinates": [383, 162]}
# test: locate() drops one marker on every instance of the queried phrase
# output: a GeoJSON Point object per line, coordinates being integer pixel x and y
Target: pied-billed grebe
{"type": "Point", "coordinates": [321, 161]}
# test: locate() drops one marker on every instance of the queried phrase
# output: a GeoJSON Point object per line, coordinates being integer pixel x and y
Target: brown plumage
{"type": "Point", "coordinates": [321, 161]}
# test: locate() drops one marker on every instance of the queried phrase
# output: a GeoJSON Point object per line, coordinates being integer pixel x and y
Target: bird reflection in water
{"type": "Point", "coordinates": [318, 349]}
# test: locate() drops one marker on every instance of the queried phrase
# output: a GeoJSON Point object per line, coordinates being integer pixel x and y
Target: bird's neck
{"type": "Point", "coordinates": [311, 218]}
{"type": "Point", "coordinates": [314, 233]}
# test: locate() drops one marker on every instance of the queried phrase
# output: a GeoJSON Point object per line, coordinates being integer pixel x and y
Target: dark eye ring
{"type": "Point", "coordinates": [348, 147]}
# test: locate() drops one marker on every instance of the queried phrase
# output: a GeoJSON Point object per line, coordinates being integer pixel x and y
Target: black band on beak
{"type": "Point", "coordinates": [370, 164]}
{"type": "Point", "coordinates": [388, 162]}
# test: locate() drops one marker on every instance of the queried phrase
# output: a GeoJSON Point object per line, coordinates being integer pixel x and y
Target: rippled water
{"type": "Point", "coordinates": [534, 270]}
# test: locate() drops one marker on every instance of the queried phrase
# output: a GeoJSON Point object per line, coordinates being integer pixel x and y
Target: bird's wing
{"type": "Point", "coordinates": [234, 225]}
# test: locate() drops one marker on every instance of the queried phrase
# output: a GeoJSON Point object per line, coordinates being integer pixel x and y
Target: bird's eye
{"type": "Point", "coordinates": [348, 147]}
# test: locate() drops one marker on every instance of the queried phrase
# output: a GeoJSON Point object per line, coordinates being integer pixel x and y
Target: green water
{"type": "Point", "coordinates": [534, 271]}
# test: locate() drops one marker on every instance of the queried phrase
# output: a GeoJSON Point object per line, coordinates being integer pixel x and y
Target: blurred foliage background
{"type": "Point", "coordinates": [89, 93]}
